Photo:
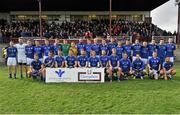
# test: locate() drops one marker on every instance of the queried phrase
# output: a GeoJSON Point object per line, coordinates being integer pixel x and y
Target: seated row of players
{"type": "Point", "coordinates": [25, 53]}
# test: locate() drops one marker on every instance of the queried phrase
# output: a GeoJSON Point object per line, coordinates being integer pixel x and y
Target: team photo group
{"type": "Point", "coordinates": [121, 59]}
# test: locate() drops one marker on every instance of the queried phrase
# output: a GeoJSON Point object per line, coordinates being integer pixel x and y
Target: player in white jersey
{"type": "Point", "coordinates": [21, 56]}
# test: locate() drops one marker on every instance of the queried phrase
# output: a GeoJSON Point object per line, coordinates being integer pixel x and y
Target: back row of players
{"type": "Point", "coordinates": [124, 59]}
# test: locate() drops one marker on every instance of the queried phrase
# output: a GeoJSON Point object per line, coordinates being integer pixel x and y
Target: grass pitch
{"type": "Point", "coordinates": [133, 96]}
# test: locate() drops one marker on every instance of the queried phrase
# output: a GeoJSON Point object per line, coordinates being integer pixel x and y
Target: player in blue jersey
{"type": "Point", "coordinates": [47, 48]}
{"type": "Point", "coordinates": [136, 48]}
{"type": "Point", "coordinates": [171, 50]}
{"type": "Point", "coordinates": [119, 50]}
{"type": "Point", "coordinates": [104, 59]}
{"type": "Point", "coordinates": [161, 51]}
{"type": "Point", "coordinates": [49, 61]}
{"type": "Point", "coordinates": [29, 52]}
{"type": "Point", "coordinates": [154, 65]}
{"type": "Point", "coordinates": [125, 67]}
{"type": "Point", "coordinates": [11, 59]}
{"type": "Point", "coordinates": [80, 46]}
{"type": "Point", "coordinates": [82, 59]}
{"type": "Point", "coordinates": [88, 47]}
{"type": "Point", "coordinates": [168, 69]}
{"type": "Point", "coordinates": [38, 49]}
{"type": "Point", "coordinates": [127, 49]}
{"type": "Point", "coordinates": [152, 48]}
{"type": "Point", "coordinates": [56, 47]}
{"type": "Point", "coordinates": [59, 59]}
{"type": "Point", "coordinates": [104, 46]}
{"type": "Point", "coordinates": [93, 61]}
{"type": "Point", "coordinates": [71, 61]}
{"type": "Point", "coordinates": [35, 67]}
{"type": "Point", "coordinates": [138, 67]}
{"type": "Point", "coordinates": [113, 64]}
{"type": "Point", "coordinates": [144, 53]}
{"type": "Point", "coordinates": [96, 47]}
{"type": "Point", "coordinates": [112, 44]}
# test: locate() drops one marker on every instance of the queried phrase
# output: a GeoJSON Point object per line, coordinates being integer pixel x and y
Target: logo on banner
{"type": "Point", "coordinates": [60, 73]}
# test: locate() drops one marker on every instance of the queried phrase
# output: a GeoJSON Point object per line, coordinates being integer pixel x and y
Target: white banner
{"type": "Point", "coordinates": [74, 75]}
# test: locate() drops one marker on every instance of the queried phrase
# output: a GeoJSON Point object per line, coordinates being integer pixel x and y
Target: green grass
{"type": "Point", "coordinates": [134, 96]}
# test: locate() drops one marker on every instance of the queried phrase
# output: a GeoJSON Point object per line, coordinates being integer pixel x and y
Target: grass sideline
{"type": "Point", "coordinates": [135, 96]}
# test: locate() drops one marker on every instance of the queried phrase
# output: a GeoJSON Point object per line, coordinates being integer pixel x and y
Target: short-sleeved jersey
{"type": "Point", "coordinates": [56, 47]}
{"type": "Point", "coordinates": [71, 60]}
{"type": "Point", "coordinates": [111, 46]}
{"type": "Point", "coordinates": [104, 60]}
{"type": "Point", "coordinates": [138, 65]}
{"type": "Point", "coordinates": [119, 51]}
{"type": "Point", "coordinates": [65, 49]}
{"type": "Point", "coordinates": [80, 46]}
{"type": "Point", "coordinates": [59, 60]}
{"type": "Point", "coordinates": [47, 49]}
{"type": "Point", "coordinates": [38, 50]}
{"type": "Point", "coordinates": [161, 51]}
{"type": "Point", "coordinates": [136, 48]}
{"type": "Point", "coordinates": [36, 65]}
{"type": "Point", "coordinates": [152, 48]}
{"type": "Point", "coordinates": [82, 60]}
{"type": "Point", "coordinates": [144, 52]}
{"type": "Point", "coordinates": [96, 48]}
{"type": "Point", "coordinates": [11, 52]}
{"type": "Point", "coordinates": [49, 62]}
{"type": "Point", "coordinates": [29, 51]}
{"type": "Point", "coordinates": [114, 60]}
{"type": "Point", "coordinates": [170, 50]}
{"type": "Point", "coordinates": [21, 52]}
{"type": "Point", "coordinates": [168, 65]}
{"type": "Point", "coordinates": [125, 65]}
{"type": "Point", "coordinates": [154, 63]}
{"type": "Point", "coordinates": [104, 47]}
{"type": "Point", "coordinates": [127, 49]}
{"type": "Point", "coordinates": [88, 48]}
{"type": "Point", "coordinates": [93, 61]}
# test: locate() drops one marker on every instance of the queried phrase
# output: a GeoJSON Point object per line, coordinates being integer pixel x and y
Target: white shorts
{"type": "Point", "coordinates": [144, 60]}
{"type": "Point", "coordinates": [172, 59]}
{"type": "Point", "coordinates": [29, 61]}
{"type": "Point", "coordinates": [22, 60]}
{"type": "Point", "coordinates": [11, 61]}
{"type": "Point", "coordinates": [154, 72]}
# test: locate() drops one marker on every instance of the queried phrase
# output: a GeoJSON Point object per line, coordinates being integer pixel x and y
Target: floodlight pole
{"type": "Point", "coordinates": [178, 32]}
{"type": "Point", "coordinates": [110, 17]}
{"type": "Point", "coordinates": [40, 19]}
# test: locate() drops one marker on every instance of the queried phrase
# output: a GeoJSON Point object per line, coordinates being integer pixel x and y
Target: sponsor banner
{"type": "Point", "coordinates": [74, 75]}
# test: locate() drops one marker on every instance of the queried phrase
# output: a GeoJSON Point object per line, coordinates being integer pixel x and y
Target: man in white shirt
{"type": "Point", "coordinates": [21, 56]}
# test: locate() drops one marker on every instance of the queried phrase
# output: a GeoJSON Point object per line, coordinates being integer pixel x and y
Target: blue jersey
{"type": "Point", "coordinates": [104, 60]}
{"type": "Point", "coordinates": [11, 52]}
{"type": "Point", "coordinates": [127, 49]}
{"type": "Point", "coordinates": [144, 52]}
{"type": "Point", "coordinates": [154, 63]}
{"type": "Point", "coordinates": [59, 60]}
{"type": "Point", "coordinates": [93, 61]}
{"type": "Point", "coordinates": [114, 60]}
{"type": "Point", "coordinates": [47, 49]}
{"type": "Point", "coordinates": [49, 62]}
{"type": "Point", "coordinates": [125, 65]}
{"type": "Point", "coordinates": [170, 50]}
{"type": "Point", "coordinates": [88, 48]}
{"type": "Point", "coordinates": [36, 65]}
{"type": "Point", "coordinates": [152, 48]}
{"type": "Point", "coordinates": [56, 48]}
{"type": "Point", "coordinates": [71, 60]}
{"type": "Point", "coordinates": [136, 49]}
{"type": "Point", "coordinates": [38, 50]}
{"type": "Point", "coordinates": [119, 51]}
{"type": "Point", "coordinates": [161, 51]}
{"type": "Point", "coordinates": [29, 52]}
{"type": "Point", "coordinates": [80, 46]}
{"type": "Point", "coordinates": [111, 46]}
{"type": "Point", "coordinates": [168, 65]}
{"type": "Point", "coordinates": [82, 60]}
{"type": "Point", "coordinates": [104, 47]}
{"type": "Point", "coordinates": [96, 48]}
{"type": "Point", "coordinates": [138, 65]}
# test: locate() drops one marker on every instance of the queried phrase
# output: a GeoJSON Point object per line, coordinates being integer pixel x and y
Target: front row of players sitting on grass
{"type": "Point", "coordinates": [117, 61]}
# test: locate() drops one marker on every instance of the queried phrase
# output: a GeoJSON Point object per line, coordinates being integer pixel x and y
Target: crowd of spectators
{"type": "Point", "coordinates": [79, 28]}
